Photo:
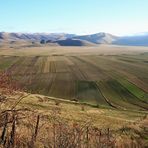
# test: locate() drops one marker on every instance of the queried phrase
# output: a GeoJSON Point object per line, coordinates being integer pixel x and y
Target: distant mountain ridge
{"type": "Point", "coordinates": [135, 40]}
{"type": "Point", "coordinates": [64, 39]}
{"type": "Point", "coordinates": [34, 36]}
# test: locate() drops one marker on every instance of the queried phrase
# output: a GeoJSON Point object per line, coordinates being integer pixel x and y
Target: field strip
{"type": "Point", "coordinates": [87, 91]}
{"type": "Point", "coordinates": [116, 94]}
{"type": "Point", "coordinates": [132, 69]}
{"type": "Point", "coordinates": [128, 96]}
{"type": "Point", "coordinates": [46, 68]}
{"type": "Point", "coordinates": [77, 70]}
{"type": "Point", "coordinates": [12, 69]}
{"type": "Point", "coordinates": [108, 101]}
{"type": "Point", "coordinates": [135, 80]}
{"type": "Point", "coordinates": [136, 89]}
{"type": "Point", "coordinates": [30, 66]}
{"type": "Point", "coordinates": [40, 63]}
{"type": "Point", "coordinates": [52, 73]}
{"type": "Point", "coordinates": [51, 83]}
{"type": "Point", "coordinates": [141, 103]}
{"type": "Point", "coordinates": [93, 72]}
{"type": "Point", "coordinates": [131, 87]}
{"type": "Point", "coordinates": [113, 65]}
{"type": "Point", "coordinates": [63, 86]}
{"type": "Point", "coordinates": [94, 69]}
{"type": "Point", "coordinates": [7, 62]}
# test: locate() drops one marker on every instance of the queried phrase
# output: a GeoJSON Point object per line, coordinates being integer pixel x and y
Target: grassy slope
{"type": "Point", "coordinates": [136, 91]}
{"type": "Point", "coordinates": [115, 97]}
{"type": "Point", "coordinates": [70, 110]}
{"type": "Point", "coordinates": [88, 92]}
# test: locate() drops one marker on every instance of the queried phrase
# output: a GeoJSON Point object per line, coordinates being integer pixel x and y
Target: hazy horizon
{"type": "Point", "coordinates": [74, 17]}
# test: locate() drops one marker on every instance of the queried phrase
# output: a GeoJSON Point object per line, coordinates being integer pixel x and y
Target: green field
{"type": "Point", "coordinates": [113, 79]}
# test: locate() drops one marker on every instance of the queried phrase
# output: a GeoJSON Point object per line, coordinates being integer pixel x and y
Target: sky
{"type": "Point", "coordinates": [118, 17]}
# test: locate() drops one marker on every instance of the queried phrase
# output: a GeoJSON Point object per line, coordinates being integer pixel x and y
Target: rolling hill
{"type": "Point", "coordinates": [99, 38]}
{"type": "Point", "coordinates": [72, 42]}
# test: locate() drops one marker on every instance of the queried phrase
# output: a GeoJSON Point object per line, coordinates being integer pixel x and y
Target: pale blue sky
{"type": "Point", "coordinates": [119, 17]}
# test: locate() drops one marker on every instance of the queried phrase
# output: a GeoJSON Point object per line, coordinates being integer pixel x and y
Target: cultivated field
{"type": "Point", "coordinates": [103, 76]}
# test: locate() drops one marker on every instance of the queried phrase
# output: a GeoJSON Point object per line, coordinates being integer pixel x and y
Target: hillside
{"type": "Point", "coordinates": [99, 38]}
{"type": "Point", "coordinates": [72, 42]}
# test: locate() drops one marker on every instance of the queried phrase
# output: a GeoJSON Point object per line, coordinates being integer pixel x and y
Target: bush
{"type": "Point", "coordinates": [43, 42]}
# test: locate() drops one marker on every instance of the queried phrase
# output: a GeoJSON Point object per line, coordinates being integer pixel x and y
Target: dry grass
{"type": "Point", "coordinates": [49, 126]}
{"type": "Point", "coordinates": [27, 129]}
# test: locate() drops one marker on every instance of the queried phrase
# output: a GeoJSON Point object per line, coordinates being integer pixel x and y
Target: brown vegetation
{"type": "Point", "coordinates": [32, 130]}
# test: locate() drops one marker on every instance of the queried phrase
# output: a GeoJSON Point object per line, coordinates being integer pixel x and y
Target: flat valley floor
{"type": "Point", "coordinates": [104, 76]}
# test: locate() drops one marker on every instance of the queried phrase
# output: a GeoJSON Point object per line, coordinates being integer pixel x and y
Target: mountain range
{"type": "Point", "coordinates": [64, 39]}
